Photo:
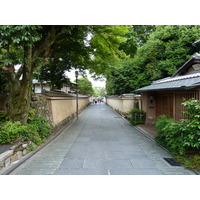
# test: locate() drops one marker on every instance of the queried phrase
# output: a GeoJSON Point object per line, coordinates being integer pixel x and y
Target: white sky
{"type": "Point", "coordinates": [99, 83]}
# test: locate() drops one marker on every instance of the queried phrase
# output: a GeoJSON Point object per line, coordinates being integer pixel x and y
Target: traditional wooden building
{"type": "Point", "coordinates": [164, 96]}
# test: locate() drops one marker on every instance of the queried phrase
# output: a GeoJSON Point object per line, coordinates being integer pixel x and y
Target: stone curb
{"type": "Point", "coordinates": [7, 170]}
{"type": "Point", "coordinates": [14, 165]}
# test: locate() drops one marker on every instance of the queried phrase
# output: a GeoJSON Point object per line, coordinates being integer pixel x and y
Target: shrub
{"type": "Point", "coordinates": [28, 131]}
{"type": "Point", "coordinates": [193, 162]}
{"type": "Point", "coordinates": [35, 130]}
{"type": "Point", "coordinates": [37, 140]}
{"type": "Point", "coordinates": [43, 127]}
{"type": "Point", "coordinates": [161, 123]}
{"type": "Point", "coordinates": [137, 116]}
{"type": "Point", "coordinates": [9, 132]}
{"type": "Point", "coordinates": [191, 126]}
{"type": "Point", "coordinates": [3, 116]}
{"type": "Point", "coordinates": [31, 147]}
{"type": "Point", "coordinates": [170, 134]}
{"type": "Point", "coordinates": [184, 136]}
{"type": "Point", "coordinates": [31, 115]}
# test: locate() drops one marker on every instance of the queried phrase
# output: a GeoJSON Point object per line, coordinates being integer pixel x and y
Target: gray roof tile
{"type": "Point", "coordinates": [180, 82]}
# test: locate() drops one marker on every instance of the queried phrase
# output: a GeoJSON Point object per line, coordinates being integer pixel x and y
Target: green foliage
{"type": "Point", "coordinates": [168, 48]}
{"type": "Point", "coordinates": [37, 140]}
{"type": "Point", "coordinates": [161, 123]}
{"type": "Point", "coordinates": [191, 126]}
{"type": "Point", "coordinates": [162, 51]}
{"type": "Point", "coordinates": [170, 135]}
{"type": "Point", "coordinates": [3, 116]}
{"type": "Point", "coordinates": [99, 92]}
{"type": "Point", "coordinates": [28, 131]}
{"type": "Point", "coordinates": [85, 86]}
{"type": "Point", "coordinates": [54, 73]}
{"type": "Point", "coordinates": [14, 39]}
{"type": "Point", "coordinates": [192, 162]}
{"type": "Point", "coordinates": [41, 125]}
{"type": "Point", "coordinates": [184, 136]}
{"type": "Point", "coordinates": [136, 37]}
{"type": "Point", "coordinates": [126, 79]}
{"type": "Point", "coordinates": [9, 132]}
{"type": "Point", "coordinates": [57, 49]}
{"type": "Point", "coordinates": [35, 130]}
{"type": "Point", "coordinates": [31, 115]}
{"type": "Point", "coordinates": [3, 82]}
{"type": "Point", "coordinates": [193, 109]}
{"type": "Point", "coordinates": [105, 55]}
{"type": "Point", "coordinates": [31, 147]}
{"type": "Point", "coordinates": [43, 128]}
{"type": "Point", "coordinates": [137, 116]}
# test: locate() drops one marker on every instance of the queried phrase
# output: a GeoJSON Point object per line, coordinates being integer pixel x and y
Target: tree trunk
{"type": "Point", "coordinates": [20, 97]}
{"type": "Point", "coordinates": [21, 90]}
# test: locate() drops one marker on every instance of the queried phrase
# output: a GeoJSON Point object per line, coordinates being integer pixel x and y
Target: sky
{"type": "Point", "coordinates": [99, 83]}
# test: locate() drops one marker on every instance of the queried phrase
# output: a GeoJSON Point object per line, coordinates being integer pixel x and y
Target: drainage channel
{"type": "Point", "coordinates": [172, 162]}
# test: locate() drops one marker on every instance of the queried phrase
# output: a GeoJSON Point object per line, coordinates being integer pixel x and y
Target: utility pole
{"type": "Point", "coordinates": [76, 75]}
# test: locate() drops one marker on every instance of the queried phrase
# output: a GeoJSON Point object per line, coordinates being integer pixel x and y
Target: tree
{"type": "Point", "coordinates": [99, 92]}
{"type": "Point", "coordinates": [32, 46]}
{"type": "Point", "coordinates": [71, 53]}
{"type": "Point", "coordinates": [105, 55]}
{"type": "Point", "coordinates": [136, 37]}
{"type": "Point", "coordinates": [166, 49]}
{"type": "Point", "coordinates": [85, 86]}
{"type": "Point", "coordinates": [54, 74]}
{"type": "Point", "coordinates": [127, 78]}
{"type": "Point", "coordinates": [29, 46]}
{"type": "Point", "coordinates": [3, 82]}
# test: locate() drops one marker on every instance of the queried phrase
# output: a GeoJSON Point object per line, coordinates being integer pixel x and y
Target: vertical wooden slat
{"type": "Point", "coordinates": [174, 106]}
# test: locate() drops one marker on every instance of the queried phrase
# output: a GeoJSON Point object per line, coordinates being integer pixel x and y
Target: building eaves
{"type": "Point", "coordinates": [172, 84]}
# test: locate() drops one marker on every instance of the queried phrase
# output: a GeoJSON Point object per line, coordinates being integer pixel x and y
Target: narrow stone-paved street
{"type": "Point", "coordinates": [100, 142]}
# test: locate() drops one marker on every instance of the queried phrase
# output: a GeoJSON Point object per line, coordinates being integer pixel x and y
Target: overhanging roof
{"type": "Point", "coordinates": [174, 83]}
{"type": "Point", "coordinates": [178, 81]}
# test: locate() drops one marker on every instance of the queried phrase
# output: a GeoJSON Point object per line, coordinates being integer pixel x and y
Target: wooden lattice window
{"type": "Point", "coordinates": [180, 98]}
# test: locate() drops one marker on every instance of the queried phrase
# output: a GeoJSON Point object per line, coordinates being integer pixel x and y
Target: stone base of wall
{"type": "Point", "coordinates": [15, 153]}
{"type": "Point", "coordinates": [40, 104]}
{"type": "Point", "coordinates": [126, 115]}
{"type": "Point", "coordinates": [19, 150]}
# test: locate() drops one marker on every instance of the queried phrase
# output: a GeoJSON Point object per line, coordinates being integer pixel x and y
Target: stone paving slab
{"type": "Point", "coordinates": [81, 172]}
{"type": "Point", "coordinates": [143, 162]}
{"type": "Point", "coordinates": [136, 171]}
{"type": "Point", "coordinates": [107, 164]}
{"type": "Point", "coordinates": [100, 142]}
